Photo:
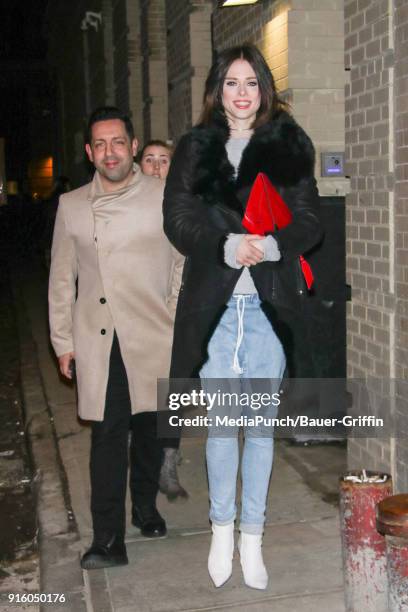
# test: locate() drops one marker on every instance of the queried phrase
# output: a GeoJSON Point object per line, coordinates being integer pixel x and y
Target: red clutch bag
{"type": "Point", "coordinates": [266, 211]}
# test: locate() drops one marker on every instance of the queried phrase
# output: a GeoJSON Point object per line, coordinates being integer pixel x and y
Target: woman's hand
{"type": "Point", "coordinates": [247, 253]}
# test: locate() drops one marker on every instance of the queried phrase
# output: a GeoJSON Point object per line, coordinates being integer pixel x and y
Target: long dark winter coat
{"type": "Point", "coordinates": [203, 203]}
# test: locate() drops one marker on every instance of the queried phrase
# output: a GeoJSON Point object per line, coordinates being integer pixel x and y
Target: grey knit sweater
{"type": "Point", "coordinates": [245, 284]}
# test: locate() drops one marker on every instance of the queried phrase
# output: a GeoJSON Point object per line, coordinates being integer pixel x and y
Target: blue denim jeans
{"type": "Point", "coordinates": [243, 349]}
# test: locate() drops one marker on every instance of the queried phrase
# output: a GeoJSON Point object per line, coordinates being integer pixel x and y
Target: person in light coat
{"type": "Point", "coordinates": [113, 290]}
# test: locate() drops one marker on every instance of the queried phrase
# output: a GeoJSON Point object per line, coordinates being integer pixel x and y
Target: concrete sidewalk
{"type": "Point", "coordinates": [301, 546]}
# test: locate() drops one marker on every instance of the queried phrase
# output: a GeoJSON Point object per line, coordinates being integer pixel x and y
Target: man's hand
{"type": "Point", "coordinates": [65, 363]}
{"type": "Point", "coordinates": [247, 253]}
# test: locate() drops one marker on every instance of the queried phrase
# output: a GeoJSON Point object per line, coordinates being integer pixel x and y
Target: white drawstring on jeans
{"type": "Point", "coordinates": [240, 312]}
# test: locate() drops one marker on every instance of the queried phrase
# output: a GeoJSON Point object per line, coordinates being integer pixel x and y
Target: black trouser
{"type": "Point", "coordinates": [110, 450]}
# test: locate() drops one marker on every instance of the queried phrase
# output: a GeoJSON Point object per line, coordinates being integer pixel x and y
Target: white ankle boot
{"type": "Point", "coordinates": [221, 553]}
{"type": "Point", "coordinates": [253, 568]}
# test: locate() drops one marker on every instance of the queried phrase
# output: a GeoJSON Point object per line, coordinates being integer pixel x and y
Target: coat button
{"type": "Point", "coordinates": [103, 332]}
{"type": "Point", "coordinates": [102, 301]}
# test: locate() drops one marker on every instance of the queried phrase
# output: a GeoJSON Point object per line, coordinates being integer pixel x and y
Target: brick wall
{"type": "Point", "coordinates": [401, 237]}
{"type": "Point", "coordinates": [154, 49]}
{"type": "Point", "coordinates": [235, 25]}
{"type": "Point", "coordinates": [189, 56]}
{"type": "Point", "coordinates": [178, 66]}
{"type": "Point", "coordinates": [132, 71]}
{"type": "Point", "coordinates": [200, 53]}
{"type": "Point", "coordinates": [369, 55]}
{"type": "Point", "coordinates": [144, 41]}
{"type": "Point", "coordinates": [120, 54]}
{"type": "Point", "coordinates": [316, 78]}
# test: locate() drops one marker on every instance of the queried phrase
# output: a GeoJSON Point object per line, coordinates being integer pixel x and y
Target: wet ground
{"type": "Point", "coordinates": [18, 531]}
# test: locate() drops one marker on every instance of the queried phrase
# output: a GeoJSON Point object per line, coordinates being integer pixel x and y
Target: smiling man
{"type": "Point", "coordinates": [111, 149]}
{"type": "Point", "coordinates": [113, 289]}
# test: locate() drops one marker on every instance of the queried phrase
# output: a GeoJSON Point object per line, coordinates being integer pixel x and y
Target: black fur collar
{"type": "Point", "coordinates": [279, 148]}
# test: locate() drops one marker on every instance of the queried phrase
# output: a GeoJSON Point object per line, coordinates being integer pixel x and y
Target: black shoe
{"type": "Point", "coordinates": [107, 550]}
{"type": "Point", "coordinates": [149, 521]}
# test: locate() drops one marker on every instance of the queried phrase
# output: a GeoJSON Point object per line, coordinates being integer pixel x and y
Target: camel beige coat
{"type": "Point", "coordinates": [128, 278]}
